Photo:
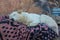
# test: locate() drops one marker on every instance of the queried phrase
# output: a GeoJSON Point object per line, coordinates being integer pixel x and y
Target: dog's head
{"type": "Point", "coordinates": [18, 16]}
{"type": "Point", "coordinates": [15, 15]}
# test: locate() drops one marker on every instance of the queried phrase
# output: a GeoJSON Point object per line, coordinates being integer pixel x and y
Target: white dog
{"type": "Point", "coordinates": [32, 19]}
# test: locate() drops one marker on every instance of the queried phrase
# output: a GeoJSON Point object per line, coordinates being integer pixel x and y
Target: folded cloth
{"type": "Point", "coordinates": [12, 30]}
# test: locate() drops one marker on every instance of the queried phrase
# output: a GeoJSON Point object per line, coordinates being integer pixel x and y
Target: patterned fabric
{"type": "Point", "coordinates": [12, 30]}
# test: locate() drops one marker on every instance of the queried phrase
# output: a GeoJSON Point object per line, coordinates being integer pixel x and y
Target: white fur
{"type": "Point", "coordinates": [14, 15]}
{"type": "Point", "coordinates": [50, 22]}
{"type": "Point", "coordinates": [33, 19]}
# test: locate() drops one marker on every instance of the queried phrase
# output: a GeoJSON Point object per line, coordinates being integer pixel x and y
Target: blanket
{"type": "Point", "coordinates": [12, 30]}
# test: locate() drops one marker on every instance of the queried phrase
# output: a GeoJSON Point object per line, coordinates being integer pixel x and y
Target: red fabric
{"type": "Point", "coordinates": [12, 30]}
